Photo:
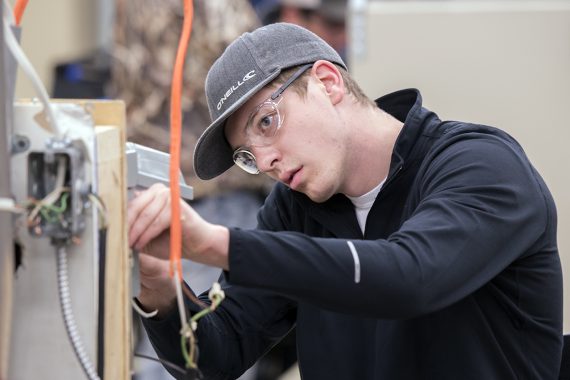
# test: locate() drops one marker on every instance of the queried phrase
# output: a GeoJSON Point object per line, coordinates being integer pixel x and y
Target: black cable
{"type": "Point", "coordinates": [101, 312]}
{"type": "Point", "coordinates": [166, 363]}
{"type": "Point", "coordinates": [187, 373]}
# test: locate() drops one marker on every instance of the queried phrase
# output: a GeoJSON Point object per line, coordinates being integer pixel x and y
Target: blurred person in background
{"type": "Point", "coordinates": [325, 18]}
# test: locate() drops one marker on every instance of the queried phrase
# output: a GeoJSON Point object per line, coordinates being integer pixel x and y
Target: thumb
{"type": "Point", "coordinates": [151, 266]}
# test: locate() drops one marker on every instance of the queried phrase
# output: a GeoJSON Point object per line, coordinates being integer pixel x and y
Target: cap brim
{"type": "Point", "coordinates": [213, 154]}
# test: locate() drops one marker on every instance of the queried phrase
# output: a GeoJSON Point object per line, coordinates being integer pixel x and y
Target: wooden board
{"type": "Point", "coordinates": [112, 190]}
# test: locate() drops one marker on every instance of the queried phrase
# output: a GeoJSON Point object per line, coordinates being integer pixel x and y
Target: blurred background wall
{"type": "Point", "coordinates": [501, 63]}
{"type": "Point", "coordinates": [56, 31]}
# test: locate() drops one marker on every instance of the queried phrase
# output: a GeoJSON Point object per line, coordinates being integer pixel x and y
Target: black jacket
{"type": "Point", "coordinates": [457, 276]}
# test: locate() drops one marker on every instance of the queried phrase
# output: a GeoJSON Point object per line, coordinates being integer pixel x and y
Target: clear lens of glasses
{"type": "Point", "coordinates": [261, 130]}
{"type": "Point", "coordinates": [263, 124]}
{"type": "Point", "coordinates": [246, 161]}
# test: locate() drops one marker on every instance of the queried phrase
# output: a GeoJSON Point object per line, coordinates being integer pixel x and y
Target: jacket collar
{"type": "Point", "coordinates": [406, 106]}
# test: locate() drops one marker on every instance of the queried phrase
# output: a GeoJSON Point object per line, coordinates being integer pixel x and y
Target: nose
{"type": "Point", "coordinates": [266, 158]}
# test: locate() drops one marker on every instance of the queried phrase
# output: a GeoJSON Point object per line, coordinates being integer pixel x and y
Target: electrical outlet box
{"type": "Point", "coordinates": [65, 218]}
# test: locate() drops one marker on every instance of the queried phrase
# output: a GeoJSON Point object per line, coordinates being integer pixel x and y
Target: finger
{"type": "Point", "coordinates": [138, 204]}
{"type": "Point", "coordinates": [134, 209]}
{"type": "Point", "coordinates": [156, 234]}
{"type": "Point", "coordinates": [146, 217]}
{"type": "Point", "coordinates": [152, 267]}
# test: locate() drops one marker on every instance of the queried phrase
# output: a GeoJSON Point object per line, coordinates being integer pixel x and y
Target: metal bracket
{"type": "Point", "coordinates": [147, 166]}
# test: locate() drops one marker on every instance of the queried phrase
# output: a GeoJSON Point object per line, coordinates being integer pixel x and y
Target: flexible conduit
{"type": "Point", "coordinates": [67, 313]}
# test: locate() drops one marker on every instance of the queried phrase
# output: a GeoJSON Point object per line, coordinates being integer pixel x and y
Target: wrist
{"type": "Point", "coordinates": [221, 247]}
{"type": "Point", "coordinates": [214, 248]}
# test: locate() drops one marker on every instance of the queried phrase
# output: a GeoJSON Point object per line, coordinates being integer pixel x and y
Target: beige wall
{"type": "Point", "coordinates": [503, 63]}
{"type": "Point", "coordinates": [53, 32]}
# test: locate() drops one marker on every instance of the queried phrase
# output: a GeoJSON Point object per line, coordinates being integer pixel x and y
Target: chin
{"type": "Point", "coordinates": [320, 193]}
{"type": "Point", "coordinates": [318, 197]}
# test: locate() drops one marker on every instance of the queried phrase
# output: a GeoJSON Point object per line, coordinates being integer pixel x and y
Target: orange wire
{"type": "Point", "coordinates": [175, 141]}
{"type": "Point", "coordinates": [19, 9]}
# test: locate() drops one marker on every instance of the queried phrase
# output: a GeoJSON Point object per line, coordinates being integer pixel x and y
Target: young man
{"type": "Point", "coordinates": [398, 245]}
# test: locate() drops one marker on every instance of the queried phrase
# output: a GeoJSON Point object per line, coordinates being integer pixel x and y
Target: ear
{"type": "Point", "coordinates": [330, 78]}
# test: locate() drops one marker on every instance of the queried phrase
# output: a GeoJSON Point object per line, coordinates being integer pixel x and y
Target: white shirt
{"type": "Point", "coordinates": [363, 204]}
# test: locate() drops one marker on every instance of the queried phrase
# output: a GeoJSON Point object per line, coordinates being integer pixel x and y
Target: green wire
{"type": "Point", "coordinates": [45, 213]}
{"type": "Point", "coordinates": [207, 310]}
{"type": "Point", "coordinates": [48, 211]}
{"type": "Point", "coordinates": [189, 361]}
{"type": "Point", "coordinates": [185, 351]}
{"type": "Point", "coordinates": [63, 204]}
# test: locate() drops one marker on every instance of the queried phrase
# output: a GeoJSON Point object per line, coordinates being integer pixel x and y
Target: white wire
{"type": "Point", "coordinates": [9, 12]}
{"type": "Point", "coordinates": [140, 311]}
{"type": "Point", "coordinates": [8, 204]}
{"type": "Point", "coordinates": [30, 72]}
{"type": "Point", "coordinates": [180, 299]}
{"type": "Point", "coordinates": [68, 318]}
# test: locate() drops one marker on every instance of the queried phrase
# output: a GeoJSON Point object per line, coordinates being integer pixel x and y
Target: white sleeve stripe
{"type": "Point", "coordinates": [356, 261]}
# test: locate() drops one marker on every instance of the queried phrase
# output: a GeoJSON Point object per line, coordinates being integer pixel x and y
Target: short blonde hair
{"type": "Point", "coordinates": [300, 85]}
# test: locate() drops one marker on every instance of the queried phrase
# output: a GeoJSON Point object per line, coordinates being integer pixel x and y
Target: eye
{"type": "Point", "coordinates": [266, 121]}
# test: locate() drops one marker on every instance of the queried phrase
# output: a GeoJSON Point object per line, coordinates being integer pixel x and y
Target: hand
{"type": "Point", "coordinates": [157, 288]}
{"type": "Point", "coordinates": [149, 219]}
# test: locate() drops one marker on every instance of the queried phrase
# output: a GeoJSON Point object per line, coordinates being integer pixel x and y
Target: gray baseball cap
{"type": "Point", "coordinates": [247, 65]}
